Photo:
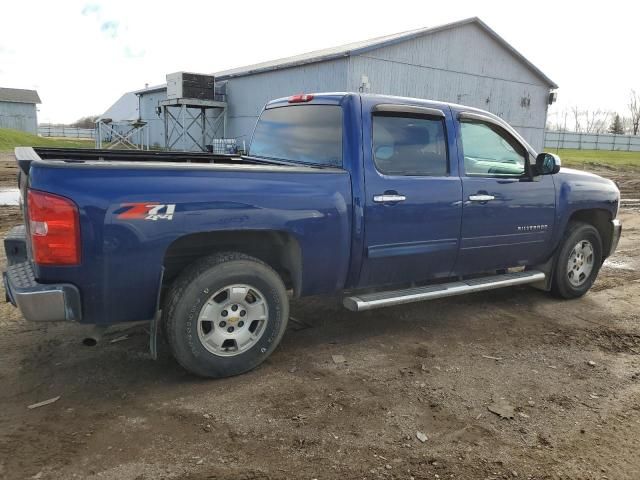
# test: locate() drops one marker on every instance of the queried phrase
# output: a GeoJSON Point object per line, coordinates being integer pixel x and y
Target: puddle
{"type": "Point", "coordinates": [9, 196]}
{"type": "Point", "coordinates": [618, 264]}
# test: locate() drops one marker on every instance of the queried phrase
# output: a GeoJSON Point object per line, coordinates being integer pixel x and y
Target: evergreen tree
{"type": "Point", "coordinates": [616, 125]}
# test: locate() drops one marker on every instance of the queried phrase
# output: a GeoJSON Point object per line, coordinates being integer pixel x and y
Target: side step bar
{"type": "Point", "coordinates": [369, 301]}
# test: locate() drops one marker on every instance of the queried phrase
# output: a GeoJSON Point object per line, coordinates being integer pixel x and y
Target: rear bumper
{"type": "Point", "coordinates": [616, 226]}
{"type": "Point", "coordinates": [41, 302]}
{"type": "Point", "coordinates": [38, 302]}
{"type": "Point", "coordinates": [15, 245]}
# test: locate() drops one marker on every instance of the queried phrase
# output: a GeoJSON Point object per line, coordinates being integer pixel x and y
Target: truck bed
{"type": "Point", "coordinates": [80, 154]}
{"type": "Point", "coordinates": [26, 155]}
{"type": "Point", "coordinates": [125, 260]}
{"type": "Point", "coordinates": [147, 159]}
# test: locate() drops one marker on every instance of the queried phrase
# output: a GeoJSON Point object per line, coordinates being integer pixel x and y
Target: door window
{"type": "Point", "coordinates": [489, 151]}
{"type": "Point", "coordinates": [409, 145]}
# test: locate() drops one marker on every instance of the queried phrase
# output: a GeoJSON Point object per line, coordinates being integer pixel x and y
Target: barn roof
{"type": "Point", "coordinates": [152, 89]}
{"type": "Point", "coordinates": [19, 95]}
{"type": "Point", "coordinates": [374, 43]}
{"type": "Point", "coordinates": [125, 109]}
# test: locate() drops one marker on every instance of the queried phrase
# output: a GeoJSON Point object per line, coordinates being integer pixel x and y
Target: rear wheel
{"type": "Point", "coordinates": [578, 261]}
{"type": "Point", "coordinates": [225, 315]}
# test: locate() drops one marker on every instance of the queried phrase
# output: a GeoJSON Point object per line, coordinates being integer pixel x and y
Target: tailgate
{"type": "Point", "coordinates": [24, 157]}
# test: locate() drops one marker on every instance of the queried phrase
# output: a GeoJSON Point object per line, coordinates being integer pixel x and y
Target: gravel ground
{"type": "Point", "coordinates": [566, 374]}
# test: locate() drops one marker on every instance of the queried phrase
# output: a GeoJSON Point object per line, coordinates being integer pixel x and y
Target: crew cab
{"type": "Point", "coordinates": [383, 200]}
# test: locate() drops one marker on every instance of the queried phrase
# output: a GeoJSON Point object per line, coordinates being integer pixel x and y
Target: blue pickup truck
{"type": "Point", "coordinates": [382, 200]}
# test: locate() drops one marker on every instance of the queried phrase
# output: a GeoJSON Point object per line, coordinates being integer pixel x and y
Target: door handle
{"type": "Point", "coordinates": [389, 198]}
{"type": "Point", "coordinates": [481, 198]}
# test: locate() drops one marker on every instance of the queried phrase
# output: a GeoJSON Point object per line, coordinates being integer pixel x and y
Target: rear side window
{"type": "Point", "coordinates": [309, 134]}
{"type": "Point", "coordinates": [409, 145]}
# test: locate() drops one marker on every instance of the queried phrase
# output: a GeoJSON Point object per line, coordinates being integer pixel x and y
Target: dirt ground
{"type": "Point", "coordinates": [569, 369]}
{"type": "Point", "coordinates": [8, 170]}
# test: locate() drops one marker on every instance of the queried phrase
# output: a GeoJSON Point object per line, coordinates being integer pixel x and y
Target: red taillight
{"type": "Point", "coordinates": [54, 228]}
{"type": "Point", "coordinates": [301, 98]}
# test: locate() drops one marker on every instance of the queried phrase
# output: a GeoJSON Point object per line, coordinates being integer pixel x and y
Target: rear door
{"type": "Point", "coordinates": [507, 215]}
{"type": "Point", "coordinates": [413, 207]}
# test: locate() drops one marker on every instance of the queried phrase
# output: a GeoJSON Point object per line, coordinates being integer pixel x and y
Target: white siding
{"type": "Point", "coordinates": [19, 116]}
{"type": "Point", "coordinates": [462, 65]}
{"type": "Point", "coordinates": [155, 122]}
{"type": "Point", "coordinates": [466, 49]}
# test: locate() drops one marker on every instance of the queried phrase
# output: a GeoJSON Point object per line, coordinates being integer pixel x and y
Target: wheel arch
{"type": "Point", "coordinates": [280, 250]}
{"type": "Point", "coordinates": [599, 218]}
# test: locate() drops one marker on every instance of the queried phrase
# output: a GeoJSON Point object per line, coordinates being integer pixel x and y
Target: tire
{"type": "Point", "coordinates": [579, 237]}
{"type": "Point", "coordinates": [198, 315]}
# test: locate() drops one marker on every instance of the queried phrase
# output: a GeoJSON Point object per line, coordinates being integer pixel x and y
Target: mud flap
{"type": "Point", "coordinates": [153, 336]}
{"type": "Point", "coordinates": [548, 268]}
{"type": "Point", "coordinates": [155, 322]}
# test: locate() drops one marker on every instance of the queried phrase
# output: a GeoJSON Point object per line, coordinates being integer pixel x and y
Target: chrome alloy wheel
{"type": "Point", "coordinates": [233, 320]}
{"type": "Point", "coordinates": [580, 263]}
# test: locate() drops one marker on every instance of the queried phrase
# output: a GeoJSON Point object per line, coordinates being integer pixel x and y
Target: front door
{"type": "Point", "coordinates": [413, 205]}
{"type": "Point", "coordinates": [507, 215]}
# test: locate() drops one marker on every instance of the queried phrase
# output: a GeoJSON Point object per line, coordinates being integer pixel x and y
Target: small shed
{"type": "Point", "coordinates": [18, 109]}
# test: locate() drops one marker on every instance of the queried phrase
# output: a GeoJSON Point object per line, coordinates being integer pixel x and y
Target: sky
{"type": "Point", "coordinates": [83, 55]}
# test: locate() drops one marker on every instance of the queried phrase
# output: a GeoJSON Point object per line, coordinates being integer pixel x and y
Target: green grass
{"type": "Point", "coordinates": [605, 158]}
{"type": "Point", "coordinates": [9, 139]}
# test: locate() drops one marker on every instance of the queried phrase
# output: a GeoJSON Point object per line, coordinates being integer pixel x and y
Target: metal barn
{"type": "Point", "coordinates": [463, 62]}
{"type": "Point", "coordinates": [18, 109]}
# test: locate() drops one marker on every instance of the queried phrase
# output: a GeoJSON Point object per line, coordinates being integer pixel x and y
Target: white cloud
{"type": "Point", "coordinates": [110, 28]}
{"type": "Point", "coordinates": [90, 8]}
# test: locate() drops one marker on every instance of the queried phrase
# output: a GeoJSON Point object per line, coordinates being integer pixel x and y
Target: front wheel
{"type": "Point", "coordinates": [225, 315]}
{"type": "Point", "coordinates": [578, 261]}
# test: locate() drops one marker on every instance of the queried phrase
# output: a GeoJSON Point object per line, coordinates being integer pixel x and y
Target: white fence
{"type": "Point", "coordinates": [46, 130]}
{"type": "Point", "coordinates": [591, 141]}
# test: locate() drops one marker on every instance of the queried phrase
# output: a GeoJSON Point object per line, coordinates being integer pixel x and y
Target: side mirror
{"type": "Point", "coordinates": [547, 164]}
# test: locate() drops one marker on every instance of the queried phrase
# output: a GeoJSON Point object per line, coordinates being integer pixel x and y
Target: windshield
{"type": "Point", "coordinates": [310, 134]}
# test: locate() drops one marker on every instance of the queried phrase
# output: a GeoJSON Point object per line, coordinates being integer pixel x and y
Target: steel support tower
{"type": "Point", "coordinates": [187, 126]}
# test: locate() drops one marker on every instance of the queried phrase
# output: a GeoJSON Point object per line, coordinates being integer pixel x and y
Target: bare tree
{"type": "Point", "coordinates": [589, 121]}
{"type": "Point", "coordinates": [596, 121]}
{"type": "Point", "coordinates": [634, 109]}
{"type": "Point", "coordinates": [560, 123]}
{"type": "Point", "coordinates": [577, 114]}
{"type": "Point", "coordinates": [85, 122]}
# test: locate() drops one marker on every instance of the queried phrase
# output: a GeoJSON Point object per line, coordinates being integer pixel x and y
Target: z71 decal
{"type": "Point", "coordinates": [147, 211]}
